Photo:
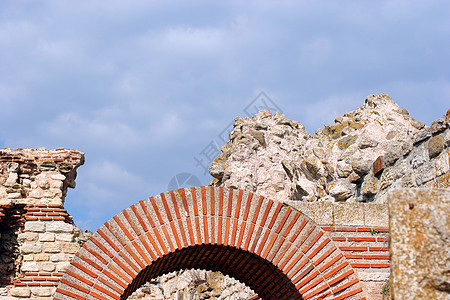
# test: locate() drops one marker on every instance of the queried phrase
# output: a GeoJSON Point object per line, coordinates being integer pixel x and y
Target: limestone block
{"type": "Point", "coordinates": [71, 248]}
{"type": "Point", "coordinates": [348, 213]}
{"type": "Point", "coordinates": [35, 193]}
{"type": "Point", "coordinates": [422, 135]}
{"type": "Point", "coordinates": [370, 186]}
{"type": "Point", "coordinates": [48, 267]}
{"type": "Point", "coordinates": [320, 212]}
{"type": "Point", "coordinates": [64, 237]}
{"type": "Point", "coordinates": [419, 243]}
{"type": "Point", "coordinates": [28, 257]}
{"type": "Point", "coordinates": [54, 247]}
{"type": "Point", "coordinates": [41, 292]}
{"type": "Point", "coordinates": [20, 292]}
{"type": "Point", "coordinates": [41, 257]}
{"type": "Point", "coordinates": [31, 248]}
{"type": "Point", "coordinates": [341, 189]}
{"type": "Point", "coordinates": [47, 237]}
{"type": "Point", "coordinates": [27, 236]}
{"type": "Point", "coordinates": [30, 266]}
{"type": "Point", "coordinates": [59, 226]}
{"type": "Point", "coordinates": [376, 215]}
{"type": "Point", "coordinates": [35, 226]}
{"type": "Point", "coordinates": [58, 257]}
{"type": "Point", "coordinates": [62, 266]}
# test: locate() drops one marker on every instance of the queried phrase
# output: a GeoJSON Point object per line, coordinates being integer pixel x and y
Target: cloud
{"type": "Point", "coordinates": [143, 86]}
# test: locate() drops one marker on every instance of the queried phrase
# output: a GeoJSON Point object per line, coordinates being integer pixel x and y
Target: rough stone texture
{"type": "Point", "coordinates": [359, 158]}
{"type": "Point", "coordinates": [33, 186]}
{"type": "Point", "coordinates": [420, 243]}
{"type": "Point", "coordinates": [193, 285]}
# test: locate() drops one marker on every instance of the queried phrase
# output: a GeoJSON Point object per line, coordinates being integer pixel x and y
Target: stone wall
{"type": "Point", "coordinates": [38, 237]}
{"type": "Point", "coordinates": [358, 159]}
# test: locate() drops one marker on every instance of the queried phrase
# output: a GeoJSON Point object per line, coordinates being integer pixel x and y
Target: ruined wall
{"type": "Point", "coordinates": [38, 237]}
{"type": "Point", "coordinates": [358, 159]}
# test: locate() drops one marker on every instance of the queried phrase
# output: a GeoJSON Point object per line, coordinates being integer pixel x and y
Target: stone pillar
{"type": "Point", "coordinates": [40, 234]}
{"type": "Point", "coordinates": [419, 222]}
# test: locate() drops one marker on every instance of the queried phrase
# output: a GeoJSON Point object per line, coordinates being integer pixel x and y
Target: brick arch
{"type": "Point", "coordinates": [274, 249]}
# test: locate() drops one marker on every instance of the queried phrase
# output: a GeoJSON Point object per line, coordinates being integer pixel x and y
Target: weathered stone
{"type": "Point", "coordinates": [367, 142]}
{"type": "Point", "coordinates": [347, 141]}
{"type": "Point", "coordinates": [435, 146]}
{"type": "Point", "coordinates": [422, 135]}
{"type": "Point", "coordinates": [41, 257]}
{"type": "Point", "coordinates": [376, 215]}
{"type": "Point", "coordinates": [321, 212]}
{"type": "Point", "coordinates": [12, 166]}
{"type": "Point", "coordinates": [419, 243]}
{"type": "Point", "coordinates": [70, 248]}
{"type": "Point", "coordinates": [48, 165]}
{"type": "Point", "coordinates": [47, 237]}
{"type": "Point", "coordinates": [30, 266]}
{"type": "Point", "coordinates": [438, 125]}
{"type": "Point", "coordinates": [31, 248]}
{"type": "Point", "coordinates": [386, 179]}
{"type": "Point", "coordinates": [378, 165]}
{"type": "Point", "coordinates": [42, 292]}
{"type": "Point", "coordinates": [349, 213]}
{"type": "Point", "coordinates": [425, 173]}
{"type": "Point", "coordinates": [52, 247]}
{"type": "Point", "coordinates": [360, 165]}
{"type": "Point", "coordinates": [393, 152]}
{"type": "Point", "coordinates": [370, 186]}
{"type": "Point", "coordinates": [27, 236]}
{"type": "Point", "coordinates": [341, 189]}
{"type": "Point", "coordinates": [20, 292]}
{"type": "Point", "coordinates": [58, 177]}
{"type": "Point", "coordinates": [35, 226]}
{"type": "Point", "coordinates": [59, 226]}
{"type": "Point", "coordinates": [259, 136]}
{"type": "Point", "coordinates": [65, 167]}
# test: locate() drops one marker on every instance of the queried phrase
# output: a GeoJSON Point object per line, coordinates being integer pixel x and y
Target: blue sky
{"type": "Point", "coordinates": [142, 87]}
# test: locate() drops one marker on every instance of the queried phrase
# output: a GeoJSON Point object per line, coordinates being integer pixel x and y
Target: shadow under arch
{"type": "Point", "coordinates": [199, 226]}
{"type": "Point", "coordinates": [258, 274]}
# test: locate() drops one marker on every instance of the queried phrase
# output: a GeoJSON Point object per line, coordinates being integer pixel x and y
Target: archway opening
{"type": "Point", "coordinates": [259, 274]}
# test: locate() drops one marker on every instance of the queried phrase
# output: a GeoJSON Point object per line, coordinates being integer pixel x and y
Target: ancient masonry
{"type": "Point", "coordinates": [290, 215]}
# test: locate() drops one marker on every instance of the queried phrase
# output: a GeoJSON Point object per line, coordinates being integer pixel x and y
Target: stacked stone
{"type": "Point", "coordinates": [34, 184]}
{"type": "Point", "coordinates": [193, 285]}
{"type": "Point", "coordinates": [357, 159]}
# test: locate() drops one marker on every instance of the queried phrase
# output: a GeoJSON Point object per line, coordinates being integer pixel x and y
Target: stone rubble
{"type": "Point", "coordinates": [363, 155]}
{"type": "Point", "coordinates": [193, 285]}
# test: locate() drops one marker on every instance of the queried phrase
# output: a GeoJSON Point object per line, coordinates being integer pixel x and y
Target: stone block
{"type": "Point", "coordinates": [41, 257]}
{"type": "Point", "coordinates": [419, 247]}
{"type": "Point", "coordinates": [30, 266]}
{"type": "Point", "coordinates": [53, 247]}
{"type": "Point", "coordinates": [376, 215]}
{"type": "Point", "coordinates": [41, 292]}
{"type": "Point", "coordinates": [71, 248]}
{"type": "Point", "coordinates": [27, 237]}
{"type": "Point", "coordinates": [425, 173]}
{"type": "Point", "coordinates": [20, 292]}
{"type": "Point", "coordinates": [320, 212]}
{"type": "Point", "coordinates": [35, 226]}
{"type": "Point", "coordinates": [348, 213]}
{"type": "Point", "coordinates": [30, 248]}
{"type": "Point", "coordinates": [48, 267]}
{"type": "Point", "coordinates": [64, 237]}
{"type": "Point", "coordinates": [62, 266]}
{"type": "Point", "coordinates": [59, 226]}
{"type": "Point", "coordinates": [47, 237]}
{"type": "Point", "coordinates": [58, 257]}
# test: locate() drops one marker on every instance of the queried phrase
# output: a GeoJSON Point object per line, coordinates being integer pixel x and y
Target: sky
{"type": "Point", "coordinates": [146, 89]}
